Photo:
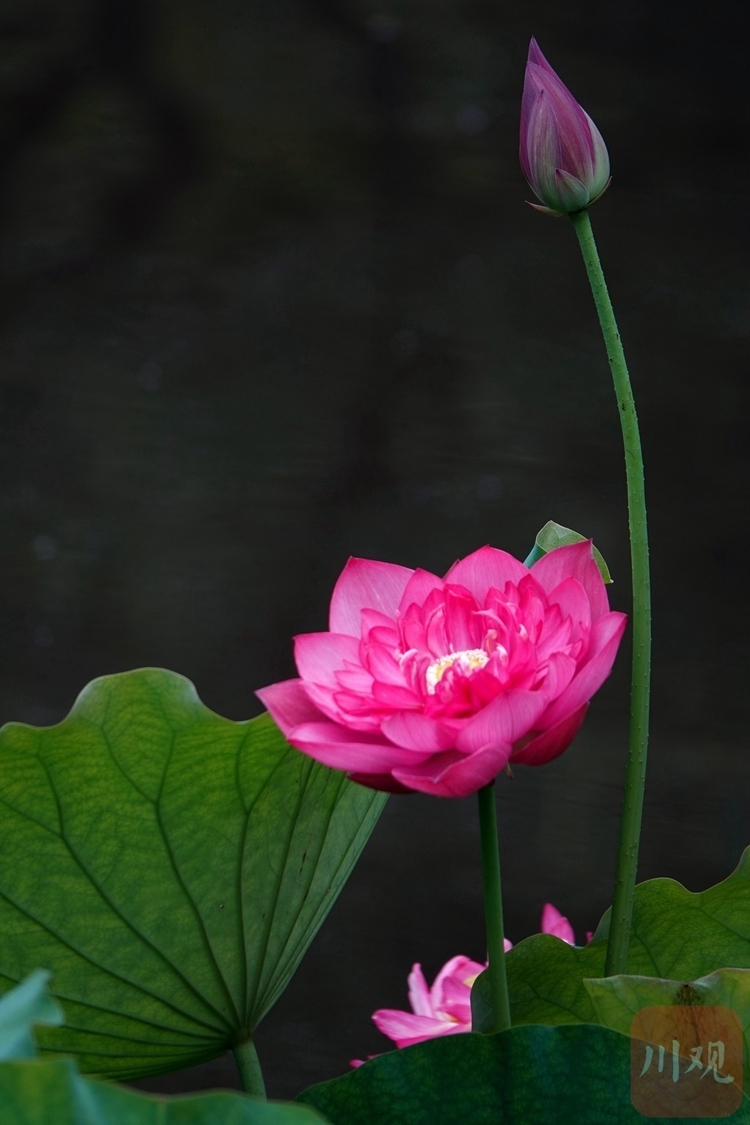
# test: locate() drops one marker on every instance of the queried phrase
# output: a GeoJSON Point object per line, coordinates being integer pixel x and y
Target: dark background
{"type": "Point", "coordinates": [270, 296]}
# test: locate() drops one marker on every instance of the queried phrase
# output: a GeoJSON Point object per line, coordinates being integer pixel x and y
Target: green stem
{"type": "Point", "coordinates": [493, 908]}
{"type": "Point", "coordinates": [248, 1064]}
{"type": "Point", "coordinates": [635, 776]}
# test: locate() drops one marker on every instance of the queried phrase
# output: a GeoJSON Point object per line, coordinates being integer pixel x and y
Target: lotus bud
{"type": "Point", "coordinates": [562, 152]}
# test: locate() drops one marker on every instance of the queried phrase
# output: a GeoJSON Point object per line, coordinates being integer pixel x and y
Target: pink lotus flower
{"type": "Point", "coordinates": [435, 684]}
{"type": "Point", "coordinates": [554, 923]}
{"type": "Point", "coordinates": [445, 1008]}
{"type": "Point", "coordinates": [563, 155]}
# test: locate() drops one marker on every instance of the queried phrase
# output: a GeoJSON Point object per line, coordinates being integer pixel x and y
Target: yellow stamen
{"type": "Point", "coordinates": [470, 660]}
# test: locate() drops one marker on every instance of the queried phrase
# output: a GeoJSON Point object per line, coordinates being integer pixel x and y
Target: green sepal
{"type": "Point", "coordinates": [554, 535]}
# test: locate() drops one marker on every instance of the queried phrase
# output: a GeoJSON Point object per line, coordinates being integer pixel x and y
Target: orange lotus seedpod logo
{"type": "Point", "coordinates": [686, 1059]}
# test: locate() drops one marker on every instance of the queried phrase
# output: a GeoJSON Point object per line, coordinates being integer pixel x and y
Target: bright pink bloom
{"type": "Point", "coordinates": [444, 1009]}
{"type": "Point", "coordinates": [554, 923]}
{"type": "Point", "coordinates": [435, 684]}
{"type": "Point", "coordinates": [563, 155]}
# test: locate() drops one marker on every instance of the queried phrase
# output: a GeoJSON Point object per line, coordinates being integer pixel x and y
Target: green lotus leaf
{"type": "Point", "coordinates": [577, 1075]}
{"type": "Point", "coordinates": [27, 1004]}
{"type": "Point", "coordinates": [53, 1092]}
{"type": "Point", "coordinates": [676, 935]}
{"type": "Point", "coordinates": [617, 999]}
{"type": "Point", "coordinates": [168, 867]}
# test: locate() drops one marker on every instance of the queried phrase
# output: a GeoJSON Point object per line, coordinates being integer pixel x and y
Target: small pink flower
{"type": "Point", "coordinates": [444, 1009]}
{"type": "Point", "coordinates": [562, 153]}
{"type": "Point", "coordinates": [434, 684]}
{"type": "Point", "coordinates": [554, 923]}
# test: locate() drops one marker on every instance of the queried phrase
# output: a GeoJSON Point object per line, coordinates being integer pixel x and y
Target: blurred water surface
{"type": "Point", "coordinates": [271, 297]}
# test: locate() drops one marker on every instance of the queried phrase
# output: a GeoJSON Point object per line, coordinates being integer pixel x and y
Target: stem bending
{"type": "Point", "coordinates": [635, 776]}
